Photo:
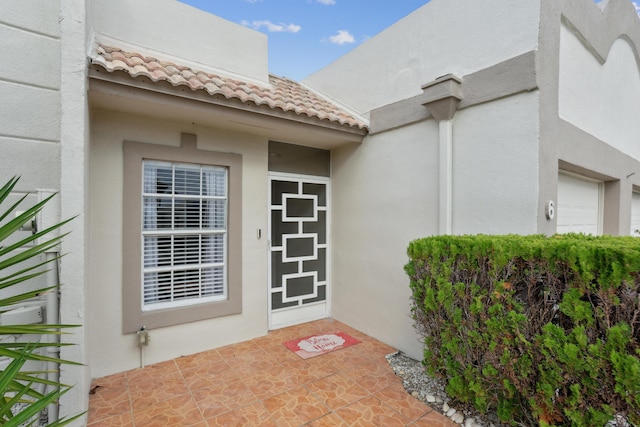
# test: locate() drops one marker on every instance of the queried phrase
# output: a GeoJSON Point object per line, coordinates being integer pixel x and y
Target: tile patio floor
{"type": "Point", "coordinates": [262, 383]}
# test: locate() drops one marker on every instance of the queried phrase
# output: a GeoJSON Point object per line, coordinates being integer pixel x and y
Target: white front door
{"type": "Point", "coordinates": [298, 249]}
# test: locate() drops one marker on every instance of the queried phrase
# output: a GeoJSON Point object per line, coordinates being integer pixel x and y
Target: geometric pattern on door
{"type": "Point", "coordinates": [298, 219]}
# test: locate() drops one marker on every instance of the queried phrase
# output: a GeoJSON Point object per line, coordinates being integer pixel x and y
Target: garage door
{"type": "Point", "coordinates": [635, 214]}
{"type": "Point", "coordinates": [579, 205]}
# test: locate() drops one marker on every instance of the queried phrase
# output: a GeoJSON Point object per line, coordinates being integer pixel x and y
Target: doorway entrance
{"type": "Point", "coordinates": [298, 249]}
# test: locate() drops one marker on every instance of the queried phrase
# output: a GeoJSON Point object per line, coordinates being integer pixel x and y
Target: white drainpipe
{"type": "Point", "coordinates": [441, 98]}
{"type": "Point", "coordinates": [53, 317]}
{"type": "Point", "coordinates": [49, 216]}
{"type": "Point", "coordinates": [446, 176]}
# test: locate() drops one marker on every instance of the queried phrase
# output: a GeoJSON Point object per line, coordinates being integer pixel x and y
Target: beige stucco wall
{"type": "Point", "coordinates": [172, 28]}
{"type": "Point", "coordinates": [443, 36]}
{"type": "Point", "coordinates": [110, 350]}
{"type": "Point", "coordinates": [495, 167]}
{"type": "Point", "coordinates": [42, 135]}
{"type": "Point", "coordinates": [602, 98]}
{"type": "Point", "coordinates": [589, 79]}
{"type": "Point", "coordinates": [30, 92]}
{"type": "Point", "coordinates": [384, 196]}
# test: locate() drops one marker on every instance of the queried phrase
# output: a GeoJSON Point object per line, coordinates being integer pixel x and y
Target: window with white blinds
{"type": "Point", "coordinates": [184, 234]}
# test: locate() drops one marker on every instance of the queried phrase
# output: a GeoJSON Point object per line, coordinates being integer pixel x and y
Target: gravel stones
{"type": "Point", "coordinates": [457, 418]}
{"type": "Point", "coordinates": [422, 386]}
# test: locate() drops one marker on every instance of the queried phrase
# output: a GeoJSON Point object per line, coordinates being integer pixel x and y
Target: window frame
{"type": "Point", "coordinates": [134, 317]}
{"type": "Point", "coordinates": [165, 230]}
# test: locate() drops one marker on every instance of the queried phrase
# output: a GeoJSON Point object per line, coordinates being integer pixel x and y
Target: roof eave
{"type": "Point", "coordinates": [141, 82]}
{"type": "Point", "coordinates": [122, 84]}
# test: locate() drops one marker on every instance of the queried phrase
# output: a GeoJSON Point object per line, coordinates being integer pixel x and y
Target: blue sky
{"type": "Point", "coordinates": [306, 35]}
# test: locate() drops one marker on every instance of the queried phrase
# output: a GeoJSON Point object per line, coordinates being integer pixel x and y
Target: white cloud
{"type": "Point", "coordinates": [342, 37]}
{"type": "Point", "coordinates": [327, 2]}
{"type": "Point", "coordinates": [252, 1]}
{"type": "Point", "coordinates": [271, 27]}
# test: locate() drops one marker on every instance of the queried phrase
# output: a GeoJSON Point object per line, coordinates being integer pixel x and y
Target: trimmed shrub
{"type": "Point", "coordinates": [545, 331]}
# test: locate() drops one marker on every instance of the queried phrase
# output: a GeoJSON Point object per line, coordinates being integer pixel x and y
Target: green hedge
{"type": "Point", "coordinates": [546, 331]}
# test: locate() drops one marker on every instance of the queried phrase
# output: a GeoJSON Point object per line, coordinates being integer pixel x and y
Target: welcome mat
{"type": "Point", "coordinates": [316, 345]}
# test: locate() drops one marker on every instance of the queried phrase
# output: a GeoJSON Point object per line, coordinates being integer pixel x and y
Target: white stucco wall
{"type": "Point", "coordinates": [384, 196]}
{"type": "Point", "coordinates": [602, 99]}
{"type": "Point", "coordinates": [444, 36]}
{"type": "Point", "coordinates": [111, 351]}
{"type": "Point", "coordinates": [42, 138]}
{"type": "Point", "coordinates": [74, 124]}
{"type": "Point", "coordinates": [30, 93]}
{"type": "Point", "coordinates": [495, 167]}
{"type": "Point", "coordinates": [176, 29]}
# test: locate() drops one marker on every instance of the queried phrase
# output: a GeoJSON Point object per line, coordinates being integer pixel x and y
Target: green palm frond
{"type": "Point", "coordinates": [20, 263]}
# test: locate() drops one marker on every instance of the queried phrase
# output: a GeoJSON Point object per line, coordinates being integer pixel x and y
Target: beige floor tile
{"type": "Point", "coordinates": [148, 390]}
{"type": "Point", "coordinates": [177, 411]}
{"type": "Point", "coordinates": [399, 400]}
{"type": "Point", "coordinates": [337, 391]}
{"type": "Point", "coordinates": [254, 415]}
{"type": "Point", "coordinates": [110, 397]}
{"type": "Point", "coordinates": [198, 359]}
{"type": "Point", "coordinates": [262, 383]}
{"type": "Point", "coordinates": [251, 362]}
{"type": "Point", "coordinates": [122, 420]}
{"type": "Point", "coordinates": [295, 407]}
{"type": "Point", "coordinates": [368, 412]}
{"type": "Point", "coordinates": [238, 349]}
{"type": "Point", "coordinates": [375, 379]}
{"type": "Point", "coordinates": [305, 372]}
{"type": "Point", "coordinates": [271, 381]}
{"type": "Point", "coordinates": [329, 420]}
{"type": "Point", "coordinates": [209, 375]}
{"type": "Point", "coordinates": [226, 397]}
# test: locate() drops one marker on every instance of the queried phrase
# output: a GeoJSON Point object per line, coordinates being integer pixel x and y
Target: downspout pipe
{"type": "Point", "coordinates": [441, 97]}
{"type": "Point", "coordinates": [48, 216]}
{"type": "Point", "coordinates": [445, 176]}
{"type": "Point", "coordinates": [53, 317]}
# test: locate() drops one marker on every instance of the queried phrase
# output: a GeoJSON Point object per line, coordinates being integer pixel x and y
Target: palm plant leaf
{"type": "Point", "coordinates": [12, 208]}
{"type": "Point", "coordinates": [10, 372]}
{"type": "Point", "coordinates": [29, 253]}
{"type": "Point", "coordinates": [35, 407]}
{"type": "Point", "coordinates": [19, 387]}
{"type": "Point", "coordinates": [21, 345]}
{"type": "Point", "coordinates": [19, 390]}
{"type": "Point", "coordinates": [34, 237]}
{"type": "Point", "coordinates": [14, 299]}
{"type": "Point", "coordinates": [14, 225]}
{"type": "Point", "coordinates": [16, 384]}
{"type": "Point", "coordinates": [35, 356]}
{"type": "Point", "coordinates": [24, 274]}
{"type": "Point", "coordinates": [36, 328]}
{"type": "Point", "coordinates": [5, 191]}
{"type": "Point", "coordinates": [7, 283]}
{"type": "Point", "coordinates": [33, 376]}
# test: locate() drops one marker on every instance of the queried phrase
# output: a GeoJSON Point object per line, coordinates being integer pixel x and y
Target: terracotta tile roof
{"type": "Point", "coordinates": [282, 93]}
